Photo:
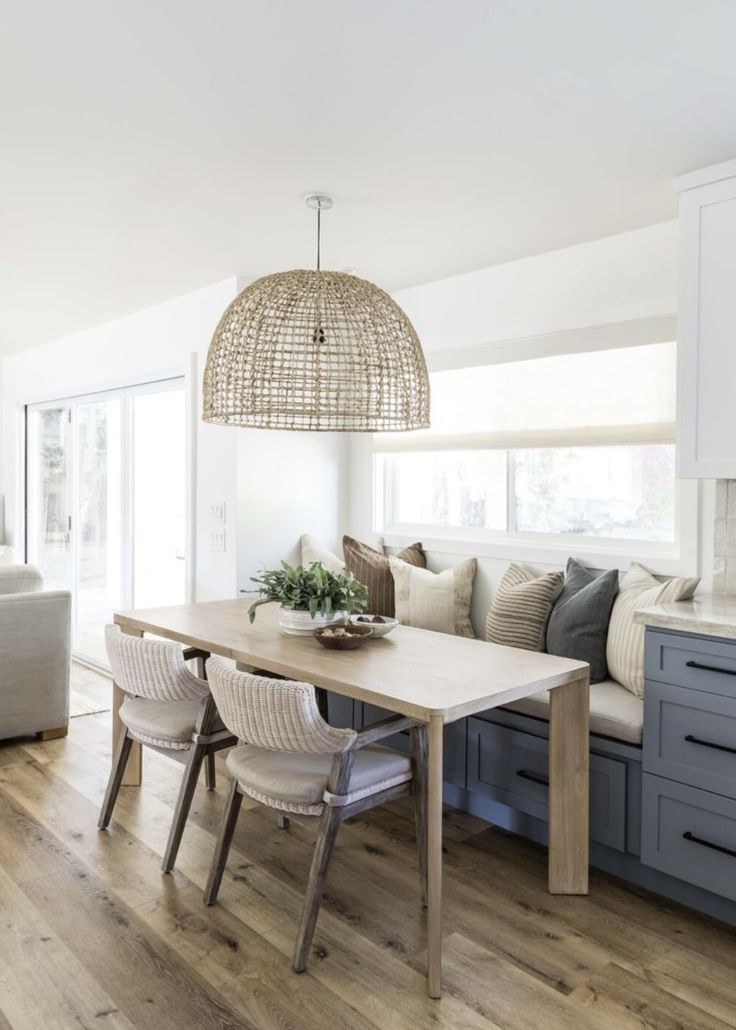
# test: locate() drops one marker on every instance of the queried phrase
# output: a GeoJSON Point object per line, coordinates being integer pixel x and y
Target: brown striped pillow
{"type": "Point", "coordinates": [520, 610]}
{"type": "Point", "coordinates": [372, 568]}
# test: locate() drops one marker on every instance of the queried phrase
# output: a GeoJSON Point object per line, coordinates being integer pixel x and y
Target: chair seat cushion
{"type": "Point", "coordinates": [296, 781]}
{"type": "Point", "coordinates": [165, 722]}
{"type": "Point", "coordinates": [614, 711]}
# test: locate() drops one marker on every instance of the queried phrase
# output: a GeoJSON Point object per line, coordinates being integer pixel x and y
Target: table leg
{"type": "Point", "coordinates": [134, 769]}
{"type": "Point", "coordinates": [568, 788]}
{"type": "Point", "coordinates": [434, 858]}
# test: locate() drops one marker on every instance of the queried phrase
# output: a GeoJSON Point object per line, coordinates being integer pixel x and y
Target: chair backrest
{"type": "Point", "coordinates": [151, 668]}
{"type": "Point", "coordinates": [280, 715]}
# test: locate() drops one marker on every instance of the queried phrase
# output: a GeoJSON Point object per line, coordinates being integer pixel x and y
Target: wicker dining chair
{"type": "Point", "coordinates": [168, 709]}
{"type": "Point", "coordinates": [297, 764]}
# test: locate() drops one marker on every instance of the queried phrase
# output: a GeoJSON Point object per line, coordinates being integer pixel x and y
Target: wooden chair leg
{"type": "Point", "coordinates": [230, 815]}
{"type": "Point", "coordinates": [116, 778]}
{"type": "Point", "coordinates": [282, 821]}
{"type": "Point", "coordinates": [328, 827]}
{"type": "Point", "coordinates": [419, 789]}
{"type": "Point", "coordinates": [183, 804]}
{"type": "Point", "coordinates": [210, 780]}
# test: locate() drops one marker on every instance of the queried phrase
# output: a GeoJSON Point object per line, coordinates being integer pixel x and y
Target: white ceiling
{"type": "Point", "coordinates": [149, 148]}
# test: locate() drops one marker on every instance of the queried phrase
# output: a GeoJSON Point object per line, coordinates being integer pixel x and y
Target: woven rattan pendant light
{"type": "Point", "coordinates": [316, 350]}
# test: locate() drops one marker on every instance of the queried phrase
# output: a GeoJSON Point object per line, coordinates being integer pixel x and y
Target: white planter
{"type": "Point", "coordinates": [301, 624]}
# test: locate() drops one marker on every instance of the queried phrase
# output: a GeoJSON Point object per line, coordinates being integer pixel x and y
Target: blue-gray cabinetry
{"type": "Point", "coordinates": [689, 759]}
{"type": "Point", "coordinates": [510, 766]}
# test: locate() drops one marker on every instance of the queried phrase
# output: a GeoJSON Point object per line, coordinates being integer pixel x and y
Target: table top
{"type": "Point", "coordinates": [713, 615]}
{"type": "Point", "coordinates": [412, 671]}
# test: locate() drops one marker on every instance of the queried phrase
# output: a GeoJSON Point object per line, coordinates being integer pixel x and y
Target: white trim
{"type": "Point", "coordinates": [635, 332]}
{"type": "Point", "coordinates": [190, 479]}
{"type": "Point", "coordinates": [519, 439]}
{"type": "Point", "coordinates": [50, 398]}
{"type": "Point", "coordinates": [705, 176]}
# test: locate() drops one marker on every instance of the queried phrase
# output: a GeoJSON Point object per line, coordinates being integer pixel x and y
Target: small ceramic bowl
{"type": "Point", "coordinates": [343, 638]}
{"type": "Point", "coordinates": [380, 629]}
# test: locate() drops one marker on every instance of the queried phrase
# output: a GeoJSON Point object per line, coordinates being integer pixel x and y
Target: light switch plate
{"type": "Point", "coordinates": [218, 513]}
{"type": "Point", "coordinates": [217, 538]}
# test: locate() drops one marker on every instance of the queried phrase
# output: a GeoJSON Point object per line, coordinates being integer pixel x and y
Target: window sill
{"type": "Point", "coordinates": [662, 559]}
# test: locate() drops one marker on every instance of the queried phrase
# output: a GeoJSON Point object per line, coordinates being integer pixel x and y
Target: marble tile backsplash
{"type": "Point", "coordinates": [724, 538]}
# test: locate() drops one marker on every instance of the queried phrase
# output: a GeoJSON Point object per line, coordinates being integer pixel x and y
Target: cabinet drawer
{"type": "Point", "coordinates": [511, 767]}
{"type": "Point", "coordinates": [690, 736]}
{"type": "Point", "coordinates": [687, 661]}
{"type": "Point", "coordinates": [689, 833]}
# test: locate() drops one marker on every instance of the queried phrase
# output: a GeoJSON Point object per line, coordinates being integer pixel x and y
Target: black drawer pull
{"type": "Point", "coordinates": [709, 743]}
{"type": "Point", "coordinates": [709, 844]}
{"type": "Point", "coordinates": [534, 777]}
{"type": "Point", "coordinates": [710, 668]}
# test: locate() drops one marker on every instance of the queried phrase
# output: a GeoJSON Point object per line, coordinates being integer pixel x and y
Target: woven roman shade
{"type": "Point", "coordinates": [316, 350]}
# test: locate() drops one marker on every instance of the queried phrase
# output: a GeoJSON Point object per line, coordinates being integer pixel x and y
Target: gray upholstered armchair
{"type": "Point", "coordinates": [35, 640]}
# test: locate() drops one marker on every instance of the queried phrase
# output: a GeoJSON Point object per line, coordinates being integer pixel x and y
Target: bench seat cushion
{"type": "Point", "coordinates": [614, 711]}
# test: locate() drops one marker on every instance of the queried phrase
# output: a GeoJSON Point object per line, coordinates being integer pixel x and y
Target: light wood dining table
{"type": "Point", "coordinates": [433, 677]}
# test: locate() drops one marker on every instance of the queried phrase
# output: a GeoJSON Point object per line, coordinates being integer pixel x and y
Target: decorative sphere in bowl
{"type": "Point", "coordinates": [381, 625]}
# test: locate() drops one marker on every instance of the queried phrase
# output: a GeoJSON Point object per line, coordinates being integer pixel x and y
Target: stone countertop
{"type": "Point", "coordinates": [713, 615]}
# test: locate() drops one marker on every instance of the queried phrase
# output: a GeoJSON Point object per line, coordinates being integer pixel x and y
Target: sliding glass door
{"type": "Point", "coordinates": [106, 502]}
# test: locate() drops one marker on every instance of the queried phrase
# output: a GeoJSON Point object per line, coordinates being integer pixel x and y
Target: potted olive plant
{"type": "Point", "coordinates": [309, 597]}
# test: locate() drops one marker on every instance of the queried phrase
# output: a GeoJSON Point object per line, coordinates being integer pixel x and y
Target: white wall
{"type": "Point", "coordinates": [618, 279]}
{"type": "Point", "coordinates": [629, 276]}
{"type": "Point", "coordinates": [288, 484]}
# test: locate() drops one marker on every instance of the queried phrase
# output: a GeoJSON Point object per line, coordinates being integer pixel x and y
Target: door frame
{"type": "Point", "coordinates": [136, 387]}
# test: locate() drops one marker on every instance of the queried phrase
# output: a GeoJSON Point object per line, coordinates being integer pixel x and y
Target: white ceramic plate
{"type": "Point", "coordinates": [380, 629]}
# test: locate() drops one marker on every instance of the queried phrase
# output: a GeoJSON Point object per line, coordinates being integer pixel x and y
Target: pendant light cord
{"type": "Point", "coordinates": [319, 231]}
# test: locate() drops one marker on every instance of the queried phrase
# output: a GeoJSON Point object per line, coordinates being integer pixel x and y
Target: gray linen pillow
{"type": "Point", "coordinates": [578, 625]}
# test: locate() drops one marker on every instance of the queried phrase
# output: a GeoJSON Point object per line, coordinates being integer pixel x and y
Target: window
{"type": "Point", "coordinates": [574, 445]}
{"type": "Point", "coordinates": [105, 478]}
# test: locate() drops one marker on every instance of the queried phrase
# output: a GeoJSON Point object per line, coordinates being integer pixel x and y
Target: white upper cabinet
{"type": "Point", "coordinates": [706, 415]}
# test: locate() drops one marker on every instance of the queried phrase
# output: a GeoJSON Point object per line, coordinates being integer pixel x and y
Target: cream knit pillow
{"type": "Point", "coordinates": [313, 551]}
{"type": "Point", "coordinates": [431, 600]}
{"type": "Point", "coordinates": [625, 646]}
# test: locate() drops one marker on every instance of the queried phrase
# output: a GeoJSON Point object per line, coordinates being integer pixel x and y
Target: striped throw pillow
{"type": "Point", "coordinates": [372, 568]}
{"type": "Point", "coordinates": [521, 608]}
{"type": "Point", "coordinates": [625, 646]}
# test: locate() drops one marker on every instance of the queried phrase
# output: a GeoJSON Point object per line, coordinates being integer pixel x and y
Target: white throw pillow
{"type": "Point", "coordinates": [312, 551]}
{"type": "Point", "coordinates": [625, 646]}
{"type": "Point", "coordinates": [431, 600]}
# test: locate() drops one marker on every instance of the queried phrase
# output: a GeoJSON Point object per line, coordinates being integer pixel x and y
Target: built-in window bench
{"type": "Point", "coordinates": [662, 806]}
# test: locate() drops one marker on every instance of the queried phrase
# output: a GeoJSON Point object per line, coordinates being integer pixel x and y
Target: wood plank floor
{"type": "Point", "coordinates": [92, 934]}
